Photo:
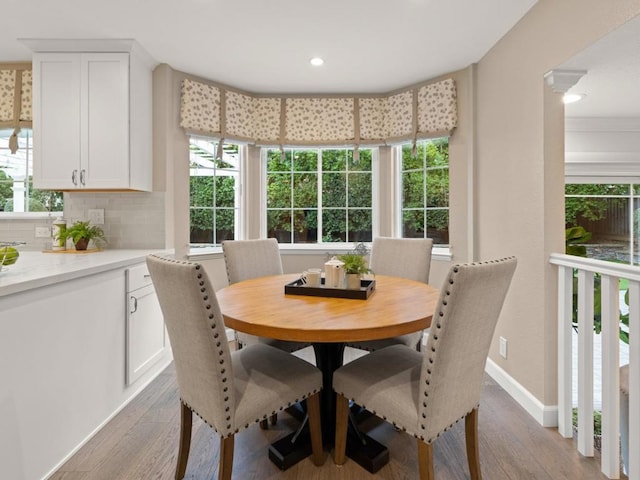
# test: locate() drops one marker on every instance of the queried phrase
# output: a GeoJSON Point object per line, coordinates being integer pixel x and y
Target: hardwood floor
{"type": "Point", "coordinates": [141, 443]}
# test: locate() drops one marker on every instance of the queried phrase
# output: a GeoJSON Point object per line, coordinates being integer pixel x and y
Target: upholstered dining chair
{"type": "Point", "coordinates": [228, 390]}
{"type": "Point", "coordinates": [425, 393]}
{"type": "Point", "coordinates": [247, 259]}
{"type": "Point", "coordinates": [399, 257]}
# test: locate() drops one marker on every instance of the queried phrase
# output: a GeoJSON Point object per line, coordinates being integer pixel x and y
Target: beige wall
{"type": "Point", "coordinates": [519, 173]}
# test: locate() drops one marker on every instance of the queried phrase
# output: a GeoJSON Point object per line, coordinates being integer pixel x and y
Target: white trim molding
{"type": "Point", "coordinates": [545, 415]}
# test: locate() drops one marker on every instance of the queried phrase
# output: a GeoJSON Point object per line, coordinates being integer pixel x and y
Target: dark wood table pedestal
{"type": "Point", "coordinates": [361, 448]}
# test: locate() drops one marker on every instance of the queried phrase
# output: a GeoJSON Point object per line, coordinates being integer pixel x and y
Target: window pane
{"type": "Point", "coordinates": [275, 162]}
{"type": "Point", "coordinates": [278, 190]}
{"type": "Point", "coordinates": [201, 192]}
{"type": "Point", "coordinates": [408, 161]}
{"type": "Point", "coordinates": [438, 187]}
{"type": "Point", "coordinates": [334, 225]}
{"type": "Point", "coordinates": [305, 190]}
{"type": "Point", "coordinates": [225, 224]}
{"type": "Point", "coordinates": [305, 224]}
{"type": "Point", "coordinates": [225, 192]}
{"type": "Point", "coordinates": [279, 225]}
{"type": "Point", "coordinates": [201, 225]}
{"type": "Point", "coordinates": [438, 226]}
{"type": "Point", "coordinates": [436, 152]}
{"type": "Point", "coordinates": [359, 190]}
{"type": "Point", "coordinates": [334, 189]}
{"type": "Point", "coordinates": [334, 160]}
{"type": "Point", "coordinates": [363, 163]}
{"type": "Point", "coordinates": [413, 223]}
{"type": "Point", "coordinates": [305, 161]}
{"type": "Point", "coordinates": [360, 225]}
{"type": "Point", "coordinates": [413, 189]}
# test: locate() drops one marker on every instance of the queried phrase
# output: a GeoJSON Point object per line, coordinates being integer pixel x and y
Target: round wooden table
{"type": "Point", "coordinates": [260, 307]}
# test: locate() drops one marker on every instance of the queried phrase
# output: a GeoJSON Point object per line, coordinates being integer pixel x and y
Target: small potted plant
{"type": "Point", "coordinates": [355, 266]}
{"type": "Point", "coordinates": [81, 233]}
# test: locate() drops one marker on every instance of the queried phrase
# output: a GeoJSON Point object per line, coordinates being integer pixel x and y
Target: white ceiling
{"type": "Point", "coordinates": [369, 46]}
{"type": "Point", "coordinates": [612, 78]}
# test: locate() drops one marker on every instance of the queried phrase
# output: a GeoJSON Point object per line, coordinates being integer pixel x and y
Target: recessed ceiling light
{"type": "Point", "coordinates": [316, 61]}
{"type": "Point", "coordinates": [572, 97]}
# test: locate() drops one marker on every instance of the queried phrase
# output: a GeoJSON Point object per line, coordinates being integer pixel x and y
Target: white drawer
{"type": "Point", "coordinates": [138, 277]}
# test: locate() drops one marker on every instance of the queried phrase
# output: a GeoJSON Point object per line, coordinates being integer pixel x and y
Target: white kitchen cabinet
{"type": "Point", "coordinates": [146, 335]}
{"type": "Point", "coordinates": [92, 120]}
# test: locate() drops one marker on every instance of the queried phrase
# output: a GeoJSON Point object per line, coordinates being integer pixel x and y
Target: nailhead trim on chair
{"type": "Point", "coordinates": [223, 370]}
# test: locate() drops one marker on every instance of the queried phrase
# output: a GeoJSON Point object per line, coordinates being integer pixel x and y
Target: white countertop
{"type": "Point", "coordinates": [38, 269]}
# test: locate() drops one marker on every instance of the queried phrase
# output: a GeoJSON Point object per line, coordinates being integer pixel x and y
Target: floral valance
{"type": "Point", "coordinates": [15, 99]}
{"type": "Point", "coordinates": [425, 111]}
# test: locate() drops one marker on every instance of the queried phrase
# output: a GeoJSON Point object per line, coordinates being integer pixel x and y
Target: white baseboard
{"type": "Point", "coordinates": [545, 415]}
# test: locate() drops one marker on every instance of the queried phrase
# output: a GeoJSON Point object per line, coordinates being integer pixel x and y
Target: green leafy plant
{"type": "Point", "coordinates": [354, 261]}
{"type": "Point", "coordinates": [82, 233]}
{"type": "Point", "coordinates": [575, 238]}
{"type": "Point", "coordinates": [597, 421]}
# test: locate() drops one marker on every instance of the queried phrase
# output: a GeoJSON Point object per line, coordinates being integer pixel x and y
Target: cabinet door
{"type": "Point", "coordinates": [56, 120]}
{"type": "Point", "coordinates": [105, 120]}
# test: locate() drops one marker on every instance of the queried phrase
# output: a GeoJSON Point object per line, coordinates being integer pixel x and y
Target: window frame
{"type": "Point", "coordinates": [240, 214]}
{"type": "Point", "coordinates": [28, 149]}
{"type": "Point", "coordinates": [398, 228]}
{"type": "Point", "coordinates": [320, 245]}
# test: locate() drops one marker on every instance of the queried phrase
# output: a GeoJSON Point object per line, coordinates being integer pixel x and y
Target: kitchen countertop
{"type": "Point", "coordinates": [38, 269]}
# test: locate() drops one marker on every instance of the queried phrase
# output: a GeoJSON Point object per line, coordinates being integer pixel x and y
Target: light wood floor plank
{"type": "Point", "coordinates": [141, 443]}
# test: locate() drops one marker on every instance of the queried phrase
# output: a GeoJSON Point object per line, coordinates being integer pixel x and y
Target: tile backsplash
{"type": "Point", "coordinates": [131, 220]}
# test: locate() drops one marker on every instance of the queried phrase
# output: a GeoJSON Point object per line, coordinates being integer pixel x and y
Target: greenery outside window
{"type": "Point", "coordinates": [611, 214]}
{"type": "Point", "coordinates": [17, 194]}
{"type": "Point", "coordinates": [319, 195]}
{"type": "Point", "coordinates": [425, 191]}
{"type": "Point", "coordinates": [214, 192]}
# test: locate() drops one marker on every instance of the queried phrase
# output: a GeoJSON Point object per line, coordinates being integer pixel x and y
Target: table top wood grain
{"type": "Point", "coordinates": [260, 307]}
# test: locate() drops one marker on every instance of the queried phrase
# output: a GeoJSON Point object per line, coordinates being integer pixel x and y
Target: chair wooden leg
{"type": "Point", "coordinates": [186, 418]}
{"type": "Point", "coordinates": [273, 419]}
{"type": "Point", "coordinates": [315, 428]}
{"type": "Point", "coordinates": [425, 460]}
{"type": "Point", "coordinates": [473, 451]}
{"type": "Point", "coordinates": [342, 420]}
{"type": "Point", "coordinates": [226, 458]}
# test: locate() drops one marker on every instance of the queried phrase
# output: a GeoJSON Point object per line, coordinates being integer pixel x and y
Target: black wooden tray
{"type": "Point", "coordinates": [367, 287]}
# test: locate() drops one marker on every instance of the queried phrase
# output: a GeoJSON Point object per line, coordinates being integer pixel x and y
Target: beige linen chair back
{"type": "Point", "coordinates": [425, 393]}
{"type": "Point", "coordinates": [247, 259]}
{"type": "Point", "coordinates": [402, 257]}
{"type": "Point", "coordinates": [198, 340]}
{"type": "Point", "coordinates": [228, 390]}
{"type": "Point", "coordinates": [457, 348]}
{"type": "Point", "coordinates": [399, 257]}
